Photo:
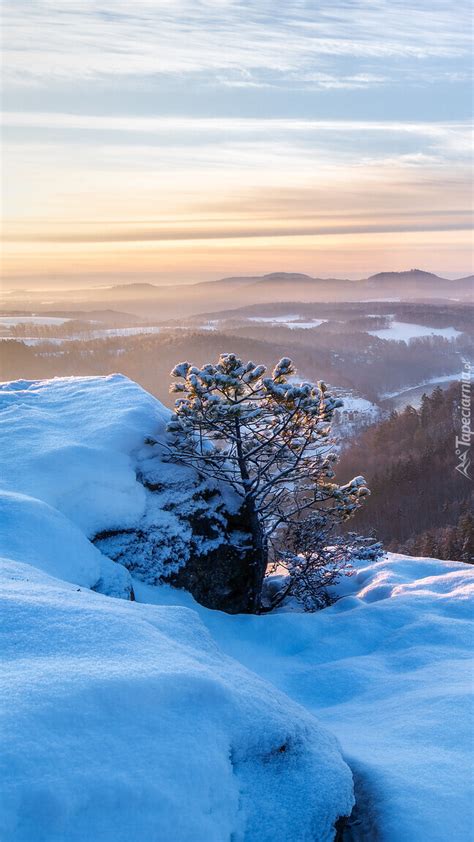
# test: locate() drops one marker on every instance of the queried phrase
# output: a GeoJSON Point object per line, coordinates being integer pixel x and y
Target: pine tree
{"type": "Point", "coordinates": [266, 437]}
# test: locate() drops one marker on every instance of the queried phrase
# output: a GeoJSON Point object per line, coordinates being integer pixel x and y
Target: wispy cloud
{"type": "Point", "coordinates": [242, 142]}
{"type": "Point", "coordinates": [203, 132]}
{"type": "Point", "coordinates": [132, 123]}
{"type": "Point", "coordinates": [143, 235]}
{"type": "Point", "coordinates": [49, 38]}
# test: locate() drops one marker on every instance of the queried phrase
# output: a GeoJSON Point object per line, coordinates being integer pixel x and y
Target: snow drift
{"type": "Point", "coordinates": [84, 446]}
{"type": "Point", "coordinates": [126, 721]}
{"type": "Point", "coordinates": [388, 668]}
{"type": "Point", "coordinates": [72, 443]}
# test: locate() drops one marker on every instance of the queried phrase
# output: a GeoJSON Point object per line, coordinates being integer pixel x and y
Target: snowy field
{"type": "Point", "coordinates": [12, 321]}
{"type": "Point", "coordinates": [293, 322]}
{"type": "Point", "coordinates": [433, 381]}
{"type": "Point", "coordinates": [159, 720]}
{"type": "Point", "coordinates": [122, 331]}
{"type": "Point", "coordinates": [404, 331]}
{"type": "Point", "coordinates": [85, 336]}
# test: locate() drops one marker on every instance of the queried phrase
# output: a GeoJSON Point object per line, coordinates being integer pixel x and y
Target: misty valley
{"type": "Point", "coordinates": [378, 357]}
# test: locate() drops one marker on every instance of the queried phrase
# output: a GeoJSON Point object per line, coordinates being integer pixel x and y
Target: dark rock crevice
{"type": "Point", "coordinates": [188, 538]}
{"type": "Point", "coordinates": [362, 824]}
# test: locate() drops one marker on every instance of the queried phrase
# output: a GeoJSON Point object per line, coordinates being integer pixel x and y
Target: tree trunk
{"type": "Point", "coordinates": [259, 543]}
{"type": "Point", "coordinates": [259, 565]}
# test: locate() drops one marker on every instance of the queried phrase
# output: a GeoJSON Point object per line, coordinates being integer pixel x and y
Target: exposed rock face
{"type": "Point", "coordinates": [230, 564]}
{"type": "Point", "coordinates": [192, 536]}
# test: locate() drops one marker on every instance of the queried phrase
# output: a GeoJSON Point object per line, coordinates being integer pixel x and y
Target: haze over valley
{"type": "Point", "coordinates": [147, 299]}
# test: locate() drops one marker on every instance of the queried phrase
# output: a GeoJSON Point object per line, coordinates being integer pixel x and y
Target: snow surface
{"type": "Point", "coordinates": [35, 533]}
{"type": "Point", "coordinates": [121, 331]}
{"type": "Point", "coordinates": [388, 669]}
{"type": "Point", "coordinates": [79, 445]}
{"type": "Point", "coordinates": [354, 403]}
{"type": "Point", "coordinates": [84, 336]}
{"type": "Point", "coordinates": [12, 321]}
{"type": "Point", "coordinates": [291, 321]}
{"type": "Point", "coordinates": [447, 378]}
{"type": "Point", "coordinates": [72, 444]}
{"type": "Point", "coordinates": [405, 331]}
{"type": "Point", "coordinates": [126, 721]}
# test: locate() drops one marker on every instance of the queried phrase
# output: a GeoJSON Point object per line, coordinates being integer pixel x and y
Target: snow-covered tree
{"type": "Point", "coordinates": [268, 437]}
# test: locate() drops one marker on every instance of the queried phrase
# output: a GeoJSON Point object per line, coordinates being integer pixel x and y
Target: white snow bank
{"type": "Point", "coordinates": [68, 469]}
{"type": "Point", "coordinates": [447, 378]}
{"type": "Point", "coordinates": [71, 442]}
{"type": "Point", "coordinates": [293, 322]}
{"type": "Point", "coordinates": [12, 321]}
{"type": "Point", "coordinates": [388, 668]}
{"type": "Point", "coordinates": [126, 722]}
{"type": "Point", "coordinates": [405, 331]}
{"type": "Point", "coordinates": [78, 445]}
{"type": "Point", "coordinates": [35, 533]}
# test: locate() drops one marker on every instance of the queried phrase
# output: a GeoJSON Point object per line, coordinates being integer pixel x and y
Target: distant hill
{"type": "Point", "coordinates": [417, 283]}
{"type": "Point", "coordinates": [112, 317]}
{"type": "Point", "coordinates": [410, 276]}
{"type": "Point", "coordinates": [287, 277]}
{"type": "Point", "coordinates": [150, 301]}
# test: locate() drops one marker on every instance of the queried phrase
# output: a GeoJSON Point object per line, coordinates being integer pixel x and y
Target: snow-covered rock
{"type": "Point", "coordinates": [127, 722]}
{"type": "Point", "coordinates": [71, 444]}
{"type": "Point", "coordinates": [86, 447]}
{"type": "Point", "coordinates": [34, 532]}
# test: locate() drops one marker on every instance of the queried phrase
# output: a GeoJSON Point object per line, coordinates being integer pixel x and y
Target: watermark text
{"type": "Point", "coordinates": [464, 436]}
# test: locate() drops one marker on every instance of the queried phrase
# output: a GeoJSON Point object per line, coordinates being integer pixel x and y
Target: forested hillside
{"type": "Point", "coordinates": [354, 360]}
{"type": "Point", "coordinates": [420, 503]}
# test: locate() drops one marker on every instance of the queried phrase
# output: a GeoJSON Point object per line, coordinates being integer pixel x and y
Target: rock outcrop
{"type": "Point", "coordinates": [192, 536]}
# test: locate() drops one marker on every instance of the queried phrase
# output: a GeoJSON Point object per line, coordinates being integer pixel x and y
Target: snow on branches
{"type": "Point", "coordinates": [268, 437]}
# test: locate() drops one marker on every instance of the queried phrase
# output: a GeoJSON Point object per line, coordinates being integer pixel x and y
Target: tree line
{"type": "Point", "coordinates": [419, 503]}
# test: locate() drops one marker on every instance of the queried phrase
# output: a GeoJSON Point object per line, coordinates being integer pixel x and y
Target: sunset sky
{"type": "Point", "coordinates": [188, 140]}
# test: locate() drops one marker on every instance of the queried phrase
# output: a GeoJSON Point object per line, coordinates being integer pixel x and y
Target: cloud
{"type": "Point", "coordinates": [293, 145]}
{"type": "Point", "coordinates": [225, 125]}
{"type": "Point", "coordinates": [155, 235]}
{"type": "Point", "coordinates": [53, 39]}
{"type": "Point", "coordinates": [162, 171]}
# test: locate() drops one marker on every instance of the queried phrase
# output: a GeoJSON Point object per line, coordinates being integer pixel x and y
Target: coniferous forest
{"type": "Point", "coordinates": [419, 504]}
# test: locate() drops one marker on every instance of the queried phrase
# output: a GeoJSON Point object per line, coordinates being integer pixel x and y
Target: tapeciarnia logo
{"type": "Point", "coordinates": [463, 442]}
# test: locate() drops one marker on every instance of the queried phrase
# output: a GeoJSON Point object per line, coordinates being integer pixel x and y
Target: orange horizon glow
{"type": "Point", "coordinates": [351, 220]}
{"type": "Point", "coordinates": [189, 142]}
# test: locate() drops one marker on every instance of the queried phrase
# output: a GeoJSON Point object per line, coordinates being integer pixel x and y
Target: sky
{"type": "Point", "coordinates": [175, 141]}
